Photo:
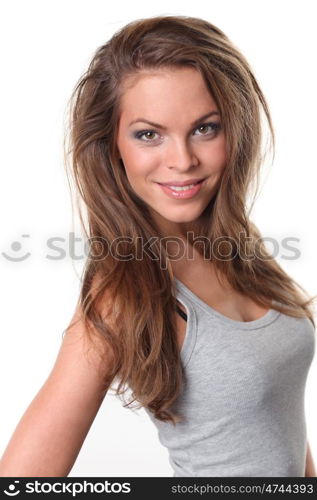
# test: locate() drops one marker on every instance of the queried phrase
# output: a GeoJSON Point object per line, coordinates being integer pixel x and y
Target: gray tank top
{"type": "Point", "coordinates": [243, 397]}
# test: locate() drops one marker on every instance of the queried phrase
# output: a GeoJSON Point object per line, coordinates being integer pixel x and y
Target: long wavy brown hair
{"type": "Point", "coordinates": [139, 293]}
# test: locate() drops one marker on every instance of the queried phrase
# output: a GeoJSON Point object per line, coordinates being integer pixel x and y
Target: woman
{"type": "Point", "coordinates": [180, 302]}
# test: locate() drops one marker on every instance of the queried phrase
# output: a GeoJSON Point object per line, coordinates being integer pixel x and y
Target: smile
{"type": "Point", "coordinates": [182, 192]}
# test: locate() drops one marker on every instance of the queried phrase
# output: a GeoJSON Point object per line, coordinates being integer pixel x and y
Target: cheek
{"type": "Point", "coordinates": [136, 175]}
{"type": "Point", "coordinates": [138, 164]}
{"type": "Point", "coordinates": [216, 156]}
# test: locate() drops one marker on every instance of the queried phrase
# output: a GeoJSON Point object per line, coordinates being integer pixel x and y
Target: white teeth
{"type": "Point", "coordinates": [182, 188]}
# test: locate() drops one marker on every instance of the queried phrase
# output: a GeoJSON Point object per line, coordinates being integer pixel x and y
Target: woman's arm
{"type": "Point", "coordinates": [51, 432]}
{"type": "Point", "coordinates": [310, 470]}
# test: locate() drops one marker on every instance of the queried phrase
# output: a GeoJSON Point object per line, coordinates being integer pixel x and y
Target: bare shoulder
{"type": "Point", "coordinates": [94, 353]}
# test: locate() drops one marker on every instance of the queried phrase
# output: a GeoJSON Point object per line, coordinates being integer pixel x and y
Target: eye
{"type": "Point", "coordinates": [208, 128]}
{"type": "Point", "coordinates": [147, 134]}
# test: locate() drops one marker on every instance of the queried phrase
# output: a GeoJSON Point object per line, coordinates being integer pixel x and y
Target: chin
{"type": "Point", "coordinates": [185, 219]}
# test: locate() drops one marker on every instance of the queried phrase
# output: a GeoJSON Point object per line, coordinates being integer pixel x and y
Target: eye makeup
{"type": "Point", "coordinates": [214, 126]}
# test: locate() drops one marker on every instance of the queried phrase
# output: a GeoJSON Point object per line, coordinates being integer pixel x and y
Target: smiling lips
{"type": "Point", "coordinates": [181, 183]}
{"type": "Point", "coordinates": [182, 190]}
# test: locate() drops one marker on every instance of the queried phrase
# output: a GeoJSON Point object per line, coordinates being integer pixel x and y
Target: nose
{"type": "Point", "coordinates": [180, 155]}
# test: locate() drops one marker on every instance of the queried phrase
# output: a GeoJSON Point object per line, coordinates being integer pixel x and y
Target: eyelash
{"type": "Point", "coordinates": [215, 126]}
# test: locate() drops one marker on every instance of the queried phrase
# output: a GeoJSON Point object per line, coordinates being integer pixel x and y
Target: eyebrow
{"type": "Point", "coordinates": [157, 125]}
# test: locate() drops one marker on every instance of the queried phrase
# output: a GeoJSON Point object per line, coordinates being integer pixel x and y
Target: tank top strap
{"type": "Point", "coordinates": [191, 324]}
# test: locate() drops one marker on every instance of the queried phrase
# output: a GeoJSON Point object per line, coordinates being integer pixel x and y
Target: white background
{"type": "Point", "coordinates": [45, 47]}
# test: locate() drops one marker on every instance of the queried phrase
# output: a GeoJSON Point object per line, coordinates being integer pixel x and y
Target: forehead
{"type": "Point", "coordinates": [163, 89]}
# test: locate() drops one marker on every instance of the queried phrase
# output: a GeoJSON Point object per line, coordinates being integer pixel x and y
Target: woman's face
{"type": "Point", "coordinates": [170, 132]}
